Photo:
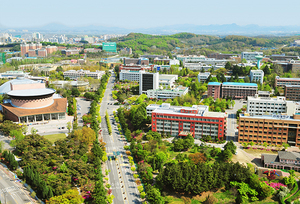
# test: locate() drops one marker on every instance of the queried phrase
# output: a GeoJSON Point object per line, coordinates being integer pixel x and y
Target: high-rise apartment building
{"type": "Point", "coordinates": [148, 81]}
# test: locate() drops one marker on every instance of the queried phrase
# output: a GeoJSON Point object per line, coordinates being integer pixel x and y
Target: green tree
{"type": "Point", "coordinates": [69, 126]}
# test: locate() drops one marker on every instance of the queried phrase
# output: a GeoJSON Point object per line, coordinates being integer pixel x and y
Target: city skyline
{"type": "Point", "coordinates": [133, 14]}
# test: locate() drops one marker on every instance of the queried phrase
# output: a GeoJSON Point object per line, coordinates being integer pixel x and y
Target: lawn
{"type": "Point", "coordinates": [55, 137]}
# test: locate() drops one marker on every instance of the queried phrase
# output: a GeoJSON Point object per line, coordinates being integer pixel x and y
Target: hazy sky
{"type": "Point", "coordinates": [145, 14]}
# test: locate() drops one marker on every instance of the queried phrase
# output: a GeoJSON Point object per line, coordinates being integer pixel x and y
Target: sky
{"type": "Point", "coordinates": [148, 14]}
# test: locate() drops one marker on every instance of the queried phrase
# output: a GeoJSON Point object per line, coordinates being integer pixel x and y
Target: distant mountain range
{"type": "Point", "coordinates": [226, 29]}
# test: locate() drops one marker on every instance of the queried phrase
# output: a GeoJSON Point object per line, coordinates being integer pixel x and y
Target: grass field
{"type": "Point", "coordinates": [55, 137]}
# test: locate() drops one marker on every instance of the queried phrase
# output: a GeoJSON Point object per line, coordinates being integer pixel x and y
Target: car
{"type": "Point", "coordinates": [63, 128]}
{"type": "Point", "coordinates": [107, 103]}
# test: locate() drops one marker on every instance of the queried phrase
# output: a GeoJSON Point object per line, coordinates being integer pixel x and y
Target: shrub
{"type": "Point", "coordinates": [126, 147]}
{"type": "Point", "coordinates": [143, 195]}
{"type": "Point", "coordinates": [140, 188]}
{"type": "Point", "coordinates": [33, 194]}
{"type": "Point", "coordinates": [128, 152]}
{"type": "Point", "coordinates": [135, 176]}
{"type": "Point", "coordinates": [138, 182]}
{"type": "Point", "coordinates": [132, 168]}
{"type": "Point", "coordinates": [107, 185]}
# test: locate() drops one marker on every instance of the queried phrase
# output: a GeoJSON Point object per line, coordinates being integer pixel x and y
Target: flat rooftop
{"type": "Point", "coordinates": [297, 79]}
{"type": "Point", "coordinates": [214, 83]}
{"type": "Point", "coordinates": [31, 92]}
{"type": "Point", "coordinates": [279, 98]}
{"type": "Point", "coordinates": [270, 117]}
{"type": "Point", "coordinates": [238, 84]}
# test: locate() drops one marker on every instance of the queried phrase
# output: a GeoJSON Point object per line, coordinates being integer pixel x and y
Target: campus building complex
{"type": "Point", "coordinates": [130, 75]}
{"type": "Point", "coordinates": [202, 77]}
{"type": "Point", "coordinates": [72, 74]}
{"type": "Point", "coordinates": [238, 90]}
{"type": "Point", "coordinates": [181, 121]}
{"type": "Point", "coordinates": [233, 90]}
{"type": "Point", "coordinates": [272, 129]}
{"type": "Point", "coordinates": [257, 76]}
{"type": "Point", "coordinates": [263, 106]}
{"type": "Point", "coordinates": [281, 82]}
{"type": "Point", "coordinates": [292, 92]}
{"type": "Point", "coordinates": [167, 93]}
{"type": "Point", "coordinates": [250, 56]}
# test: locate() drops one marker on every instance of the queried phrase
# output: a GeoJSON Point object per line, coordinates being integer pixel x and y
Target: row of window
{"type": "Point", "coordinates": [265, 132]}
{"type": "Point", "coordinates": [261, 122]}
{"type": "Point", "coordinates": [187, 118]}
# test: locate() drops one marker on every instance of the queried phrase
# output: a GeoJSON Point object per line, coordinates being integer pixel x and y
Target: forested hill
{"type": "Point", "coordinates": [190, 43]}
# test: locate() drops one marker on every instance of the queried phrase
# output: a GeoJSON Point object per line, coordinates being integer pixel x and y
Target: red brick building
{"type": "Point", "coordinates": [286, 81]}
{"type": "Point", "coordinates": [181, 121]}
{"type": "Point", "coordinates": [214, 90]}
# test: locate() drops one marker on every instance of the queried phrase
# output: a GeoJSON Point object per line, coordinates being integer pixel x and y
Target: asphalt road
{"type": "Point", "coordinates": [232, 131]}
{"type": "Point", "coordinates": [84, 109]}
{"type": "Point", "coordinates": [120, 178]}
{"type": "Point", "coordinates": [10, 192]}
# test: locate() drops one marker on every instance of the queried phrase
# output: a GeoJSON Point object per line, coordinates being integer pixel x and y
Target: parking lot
{"type": "Point", "coordinates": [83, 107]}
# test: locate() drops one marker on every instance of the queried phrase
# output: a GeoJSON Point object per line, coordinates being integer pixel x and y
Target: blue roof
{"type": "Point", "coordinates": [214, 83]}
{"type": "Point", "coordinates": [239, 84]}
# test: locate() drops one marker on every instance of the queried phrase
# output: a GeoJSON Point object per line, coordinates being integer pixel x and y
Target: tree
{"type": "Point", "coordinates": [285, 145]}
{"type": "Point", "coordinates": [230, 146]}
{"type": "Point", "coordinates": [75, 92]}
{"type": "Point", "coordinates": [69, 126]}
{"type": "Point", "coordinates": [69, 197]}
{"type": "Point", "coordinates": [197, 158]}
{"type": "Point", "coordinates": [85, 135]}
{"type": "Point", "coordinates": [33, 131]}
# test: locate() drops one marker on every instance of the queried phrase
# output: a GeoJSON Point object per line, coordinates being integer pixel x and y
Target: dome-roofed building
{"type": "Point", "coordinates": [32, 102]}
{"type": "Point", "coordinates": [6, 87]}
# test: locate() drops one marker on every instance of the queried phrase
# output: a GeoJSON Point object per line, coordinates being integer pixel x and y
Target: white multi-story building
{"type": "Point", "coordinates": [148, 81]}
{"type": "Point", "coordinates": [190, 58]}
{"type": "Point", "coordinates": [14, 74]}
{"type": "Point", "coordinates": [257, 76]}
{"type": "Point", "coordinates": [72, 74]}
{"type": "Point", "coordinates": [167, 93]}
{"type": "Point", "coordinates": [130, 75]}
{"type": "Point", "coordinates": [167, 80]}
{"type": "Point", "coordinates": [250, 56]}
{"type": "Point", "coordinates": [203, 76]}
{"type": "Point", "coordinates": [261, 106]}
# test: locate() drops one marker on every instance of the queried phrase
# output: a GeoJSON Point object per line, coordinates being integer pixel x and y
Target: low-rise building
{"type": "Point", "coordinates": [167, 93]}
{"type": "Point", "coordinates": [136, 61]}
{"type": "Point", "coordinates": [180, 121]}
{"type": "Point", "coordinates": [70, 52]}
{"type": "Point", "coordinates": [14, 74]}
{"type": "Point", "coordinates": [130, 75]}
{"type": "Point", "coordinates": [283, 160]}
{"type": "Point", "coordinates": [257, 76]}
{"type": "Point", "coordinates": [135, 67]}
{"type": "Point", "coordinates": [237, 90]}
{"type": "Point", "coordinates": [202, 77]}
{"type": "Point", "coordinates": [73, 74]}
{"type": "Point", "coordinates": [272, 129]}
{"type": "Point", "coordinates": [76, 84]}
{"type": "Point", "coordinates": [167, 80]}
{"type": "Point", "coordinates": [264, 93]}
{"type": "Point", "coordinates": [250, 56]}
{"type": "Point", "coordinates": [292, 92]}
{"type": "Point", "coordinates": [282, 82]}
{"type": "Point", "coordinates": [263, 106]}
